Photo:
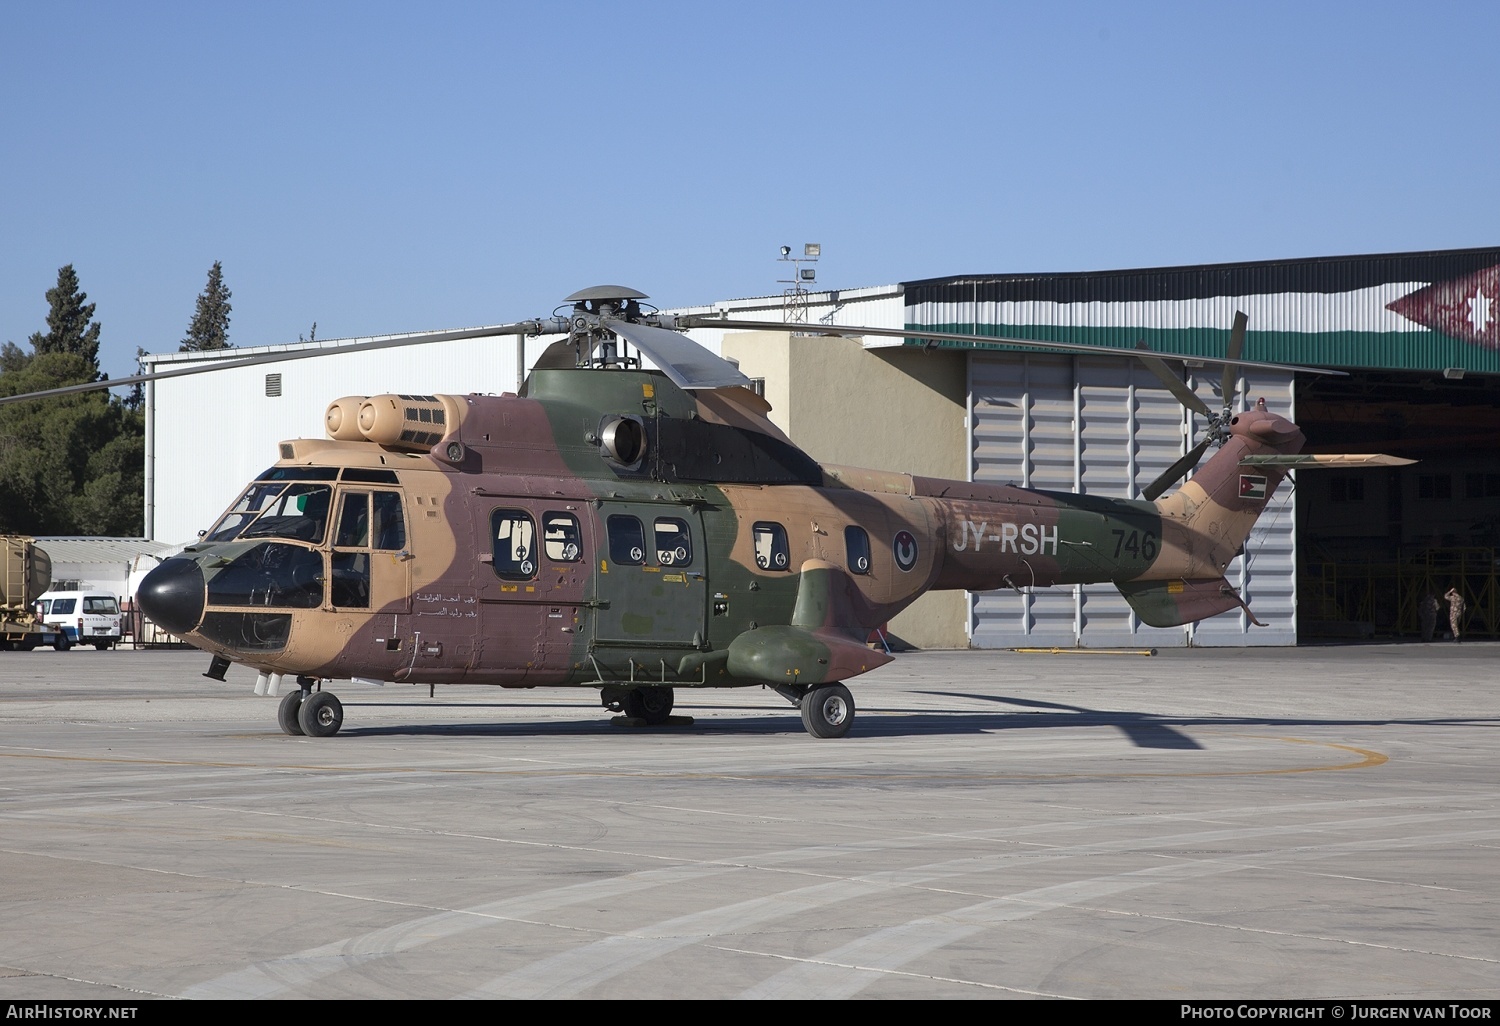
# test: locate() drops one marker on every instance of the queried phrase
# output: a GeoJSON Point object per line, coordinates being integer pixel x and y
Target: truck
{"type": "Point", "coordinates": [25, 575]}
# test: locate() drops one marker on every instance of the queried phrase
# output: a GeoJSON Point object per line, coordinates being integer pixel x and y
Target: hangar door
{"type": "Point", "coordinates": [1104, 425]}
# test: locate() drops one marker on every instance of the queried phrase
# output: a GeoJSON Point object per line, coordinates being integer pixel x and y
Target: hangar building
{"type": "Point", "coordinates": [1347, 552]}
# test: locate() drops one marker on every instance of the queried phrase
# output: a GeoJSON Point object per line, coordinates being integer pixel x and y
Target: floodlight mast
{"type": "Point", "coordinates": [794, 299]}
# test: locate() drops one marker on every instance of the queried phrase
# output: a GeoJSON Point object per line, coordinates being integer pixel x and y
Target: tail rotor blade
{"type": "Point", "coordinates": [1175, 472]}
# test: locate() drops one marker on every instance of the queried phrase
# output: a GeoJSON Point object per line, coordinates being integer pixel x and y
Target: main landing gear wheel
{"type": "Point", "coordinates": [654, 705]}
{"type": "Point", "coordinates": [286, 713]}
{"type": "Point", "coordinates": [828, 710]}
{"type": "Point", "coordinates": [321, 715]}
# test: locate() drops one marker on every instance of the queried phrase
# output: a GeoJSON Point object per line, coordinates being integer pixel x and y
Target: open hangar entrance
{"type": "Point", "coordinates": [1372, 543]}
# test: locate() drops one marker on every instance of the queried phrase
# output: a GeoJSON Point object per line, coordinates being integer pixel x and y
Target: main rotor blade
{"type": "Point", "coordinates": [687, 363]}
{"type": "Point", "coordinates": [1174, 473]}
{"type": "Point", "coordinates": [540, 327]}
{"type": "Point", "coordinates": [983, 341]}
{"type": "Point", "coordinates": [1232, 368]}
{"type": "Point", "coordinates": [1186, 396]}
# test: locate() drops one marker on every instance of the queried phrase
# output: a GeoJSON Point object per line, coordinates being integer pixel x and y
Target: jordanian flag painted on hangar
{"type": "Point", "coordinates": [1414, 311]}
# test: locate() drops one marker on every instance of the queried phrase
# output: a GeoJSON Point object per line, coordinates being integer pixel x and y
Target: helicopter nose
{"type": "Point", "coordinates": [172, 595]}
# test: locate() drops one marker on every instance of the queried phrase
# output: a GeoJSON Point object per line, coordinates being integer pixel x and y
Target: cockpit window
{"type": "Point", "coordinates": [249, 506]}
{"type": "Point", "coordinates": [299, 513]}
{"type": "Point", "coordinates": [354, 521]}
{"type": "Point", "coordinates": [389, 525]}
{"type": "Point", "coordinates": [298, 474]}
{"type": "Point", "coordinates": [358, 528]}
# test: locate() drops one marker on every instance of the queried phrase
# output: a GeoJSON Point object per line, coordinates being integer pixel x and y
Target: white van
{"type": "Point", "coordinates": [83, 617]}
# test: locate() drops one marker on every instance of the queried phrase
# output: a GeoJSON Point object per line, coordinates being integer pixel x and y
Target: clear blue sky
{"type": "Point", "coordinates": [380, 167]}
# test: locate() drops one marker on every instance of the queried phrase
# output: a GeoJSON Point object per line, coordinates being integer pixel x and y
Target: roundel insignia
{"type": "Point", "coordinates": [904, 548]}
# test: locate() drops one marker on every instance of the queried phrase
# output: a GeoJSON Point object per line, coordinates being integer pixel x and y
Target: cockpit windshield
{"type": "Point", "coordinates": [276, 509]}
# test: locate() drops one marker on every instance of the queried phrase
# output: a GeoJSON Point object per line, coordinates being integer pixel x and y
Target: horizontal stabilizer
{"type": "Point", "coordinates": [1174, 603]}
{"type": "Point", "coordinates": [1306, 461]}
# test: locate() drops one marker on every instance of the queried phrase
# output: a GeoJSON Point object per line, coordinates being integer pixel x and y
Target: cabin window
{"type": "Point", "coordinates": [674, 546]}
{"type": "Point", "coordinates": [857, 549]}
{"type": "Point", "coordinates": [561, 539]}
{"type": "Point", "coordinates": [63, 607]}
{"type": "Point", "coordinates": [515, 544]}
{"type": "Point", "coordinates": [627, 540]}
{"type": "Point", "coordinates": [771, 549]}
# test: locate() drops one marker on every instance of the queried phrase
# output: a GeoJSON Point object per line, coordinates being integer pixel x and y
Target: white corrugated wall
{"type": "Point", "coordinates": [212, 433]}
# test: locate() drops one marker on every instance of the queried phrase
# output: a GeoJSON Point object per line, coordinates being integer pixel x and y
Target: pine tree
{"type": "Point", "coordinates": [69, 464]}
{"type": "Point", "coordinates": [68, 327]}
{"type": "Point", "coordinates": [13, 358]}
{"type": "Point", "coordinates": [209, 328]}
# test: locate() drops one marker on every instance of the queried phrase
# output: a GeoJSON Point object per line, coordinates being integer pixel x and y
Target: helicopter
{"type": "Point", "coordinates": [638, 529]}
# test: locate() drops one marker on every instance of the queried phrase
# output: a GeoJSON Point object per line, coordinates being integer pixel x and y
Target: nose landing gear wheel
{"type": "Point", "coordinates": [828, 710]}
{"type": "Point", "coordinates": [286, 713]}
{"type": "Point", "coordinates": [321, 715]}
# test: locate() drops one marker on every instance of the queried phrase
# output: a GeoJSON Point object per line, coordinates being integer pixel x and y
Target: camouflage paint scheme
{"type": "Point", "coordinates": [439, 610]}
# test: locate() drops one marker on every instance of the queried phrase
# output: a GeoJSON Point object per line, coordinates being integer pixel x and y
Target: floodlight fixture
{"type": "Point", "coordinates": [812, 250]}
{"type": "Point", "coordinates": [809, 273]}
{"type": "Point", "coordinates": [786, 251]}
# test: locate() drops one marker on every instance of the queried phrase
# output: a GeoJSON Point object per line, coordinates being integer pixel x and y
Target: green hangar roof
{"type": "Point", "coordinates": [1398, 311]}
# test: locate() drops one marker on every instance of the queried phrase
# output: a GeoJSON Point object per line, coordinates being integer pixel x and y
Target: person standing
{"type": "Point", "coordinates": [1455, 610]}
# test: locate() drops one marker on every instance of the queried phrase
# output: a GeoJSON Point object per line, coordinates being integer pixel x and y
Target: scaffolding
{"type": "Point", "coordinates": [1382, 598]}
